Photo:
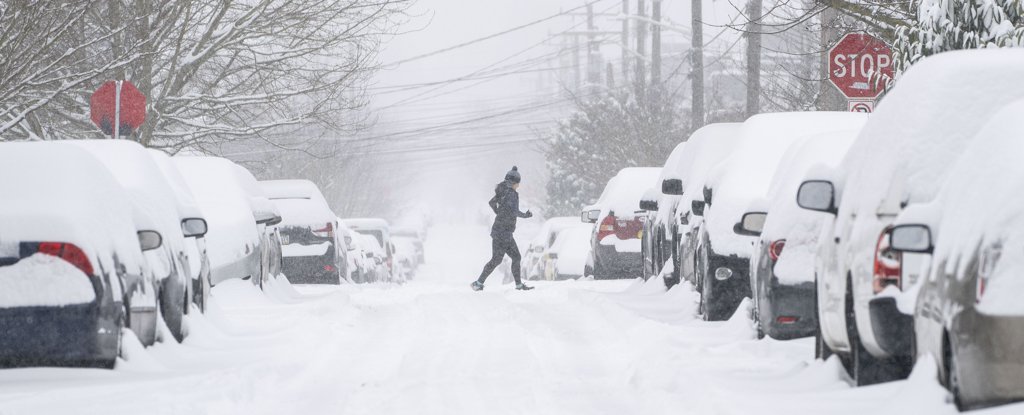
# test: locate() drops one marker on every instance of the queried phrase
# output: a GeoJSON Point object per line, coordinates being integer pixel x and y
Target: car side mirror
{"type": "Point", "coordinates": [751, 224]}
{"type": "Point", "coordinates": [708, 192]}
{"type": "Point", "coordinates": [697, 207]}
{"type": "Point", "coordinates": [649, 205]}
{"type": "Point", "coordinates": [150, 240]}
{"type": "Point", "coordinates": [817, 195]}
{"type": "Point", "coordinates": [911, 238]}
{"type": "Point", "coordinates": [590, 216]}
{"type": "Point", "coordinates": [672, 187]}
{"type": "Point", "coordinates": [194, 227]}
{"type": "Point", "coordinates": [267, 218]}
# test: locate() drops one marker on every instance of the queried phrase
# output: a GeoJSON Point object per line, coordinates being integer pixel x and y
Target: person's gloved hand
{"type": "Point", "coordinates": [528, 214]}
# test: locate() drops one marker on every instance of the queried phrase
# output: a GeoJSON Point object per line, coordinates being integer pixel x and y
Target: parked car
{"type": "Point", "coordinates": [267, 217]}
{"type": "Point", "coordinates": [154, 198]}
{"type": "Point", "coordinates": [375, 258]}
{"type": "Point", "coordinates": [725, 248]}
{"type": "Point", "coordinates": [651, 236]}
{"type": "Point", "coordinates": [234, 238]}
{"type": "Point", "coordinates": [968, 316]}
{"type": "Point", "coordinates": [358, 270]}
{"type": "Point", "coordinates": [71, 259]}
{"type": "Point", "coordinates": [566, 259]}
{"type": "Point", "coordinates": [193, 226]}
{"type": "Point", "coordinates": [705, 149]}
{"type": "Point", "coordinates": [615, 243]}
{"type": "Point", "coordinates": [899, 159]}
{"type": "Point", "coordinates": [533, 259]}
{"type": "Point", "coordinates": [381, 231]}
{"type": "Point", "coordinates": [781, 269]}
{"type": "Point", "coordinates": [416, 238]}
{"type": "Point", "coordinates": [310, 244]}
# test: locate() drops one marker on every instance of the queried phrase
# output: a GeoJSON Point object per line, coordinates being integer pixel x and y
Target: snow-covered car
{"type": "Point", "coordinates": [267, 217]}
{"type": "Point", "coordinates": [615, 244]}
{"type": "Point", "coordinates": [899, 159]}
{"type": "Point", "coordinates": [71, 259]}
{"type": "Point", "coordinates": [154, 198]}
{"type": "Point", "coordinates": [566, 259]}
{"type": "Point", "coordinates": [705, 149]}
{"type": "Point", "coordinates": [381, 231]}
{"type": "Point", "coordinates": [234, 237]}
{"type": "Point", "coordinates": [416, 237]}
{"type": "Point", "coordinates": [358, 270]}
{"type": "Point", "coordinates": [533, 258]}
{"type": "Point", "coordinates": [968, 316]}
{"type": "Point", "coordinates": [309, 242]}
{"type": "Point", "coordinates": [193, 227]}
{"type": "Point", "coordinates": [375, 258]}
{"type": "Point", "coordinates": [782, 268]}
{"type": "Point", "coordinates": [724, 250]}
{"type": "Point", "coordinates": [650, 237]}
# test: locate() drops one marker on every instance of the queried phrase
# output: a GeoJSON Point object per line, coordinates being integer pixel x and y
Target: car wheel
{"type": "Point", "coordinates": [953, 381]}
{"type": "Point", "coordinates": [172, 311]}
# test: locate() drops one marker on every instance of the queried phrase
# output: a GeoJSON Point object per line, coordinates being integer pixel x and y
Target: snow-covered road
{"type": "Point", "coordinates": [435, 347]}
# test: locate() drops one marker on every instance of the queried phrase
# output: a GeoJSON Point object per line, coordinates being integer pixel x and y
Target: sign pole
{"type": "Point", "coordinates": [117, 111]}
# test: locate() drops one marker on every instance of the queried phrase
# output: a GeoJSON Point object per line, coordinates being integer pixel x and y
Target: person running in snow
{"type": "Point", "coordinates": [505, 205]}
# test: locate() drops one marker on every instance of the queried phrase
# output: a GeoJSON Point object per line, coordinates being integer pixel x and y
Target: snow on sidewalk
{"type": "Point", "coordinates": [432, 346]}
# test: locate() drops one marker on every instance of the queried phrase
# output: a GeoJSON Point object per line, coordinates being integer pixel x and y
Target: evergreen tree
{"type": "Point", "coordinates": [944, 25]}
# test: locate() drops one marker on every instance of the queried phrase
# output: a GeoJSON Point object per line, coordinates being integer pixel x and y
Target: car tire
{"type": "Point", "coordinates": [864, 368]}
{"type": "Point", "coordinates": [173, 312]}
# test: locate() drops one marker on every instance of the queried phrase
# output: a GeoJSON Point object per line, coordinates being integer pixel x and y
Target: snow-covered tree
{"type": "Point", "coordinates": [944, 25]}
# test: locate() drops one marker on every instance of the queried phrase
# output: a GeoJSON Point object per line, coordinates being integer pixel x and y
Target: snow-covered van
{"type": "Point", "coordinates": [723, 255]}
{"type": "Point", "coordinates": [900, 159]}
{"type": "Point", "coordinates": [71, 258]}
{"type": "Point", "coordinates": [309, 239]}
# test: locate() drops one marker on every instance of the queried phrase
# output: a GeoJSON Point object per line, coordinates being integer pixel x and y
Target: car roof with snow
{"type": "Point", "coordinates": [299, 202]}
{"type": "Point", "coordinates": [553, 225]}
{"type": "Point", "coordinates": [764, 140]}
{"type": "Point", "coordinates": [922, 126]}
{"type": "Point", "coordinates": [623, 192]}
{"type": "Point", "coordinates": [188, 207]}
{"type": "Point", "coordinates": [708, 147]}
{"type": "Point", "coordinates": [69, 196]}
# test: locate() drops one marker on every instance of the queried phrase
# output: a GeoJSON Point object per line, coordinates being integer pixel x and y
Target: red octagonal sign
{"type": "Point", "coordinates": [103, 107]}
{"type": "Point", "coordinates": [853, 62]}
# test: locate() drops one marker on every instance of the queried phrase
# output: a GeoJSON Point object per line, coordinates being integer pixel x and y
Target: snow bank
{"type": "Point", "coordinates": [44, 280]}
{"type": "Point", "coordinates": [764, 140]}
{"type": "Point", "coordinates": [232, 226]}
{"type": "Point", "coordinates": [57, 192]}
{"type": "Point", "coordinates": [786, 220]}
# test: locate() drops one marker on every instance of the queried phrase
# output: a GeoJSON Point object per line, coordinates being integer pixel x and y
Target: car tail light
{"type": "Point", "coordinates": [888, 264]}
{"type": "Point", "coordinates": [989, 258]}
{"type": "Point", "coordinates": [787, 319]}
{"type": "Point", "coordinates": [607, 227]}
{"type": "Point", "coordinates": [982, 281]}
{"type": "Point", "coordinates": [68, 252]}
{"type": "Point", "coordinates": [329, 268]}
{"type": "Point", "coordinates": [775, 249]}
{"type": "Point", "coordinates": [326, 231]}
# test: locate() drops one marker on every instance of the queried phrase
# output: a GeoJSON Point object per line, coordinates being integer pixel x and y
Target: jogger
{"type": "Point", "coordinates": [505, 205]}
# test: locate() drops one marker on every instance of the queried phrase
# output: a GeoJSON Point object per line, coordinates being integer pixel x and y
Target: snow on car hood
{"type": "Point", "coordinates": [764, 140]}
{"type": "Point", "coordinates": [62, 194]}
{"type": "Point", "coordinates": [232, 227]}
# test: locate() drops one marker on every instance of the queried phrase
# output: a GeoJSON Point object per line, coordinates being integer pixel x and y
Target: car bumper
{"type": "Point", "coordinates": [893, 330]}
{"type": "Point", "coordinates": [727, 294]}
{"type": "Point", "coordinates": [990, 358]}
{"type": "Point", "coordinates": [57, 336]}
{"type": "Point", "coordinates": [617, 264]}
{"type": "Point", "coordinates": [311, 270]}
{"type": "Point", "coordinates": [788, 311]}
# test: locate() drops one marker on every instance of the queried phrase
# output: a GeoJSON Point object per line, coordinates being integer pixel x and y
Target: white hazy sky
{"type": "Point", "coordinates": [458, 165]}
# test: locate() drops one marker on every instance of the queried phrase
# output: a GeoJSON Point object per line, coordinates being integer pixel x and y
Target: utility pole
{"type": "Point", "coordinates": [610, 76]}
{"type": "Point", "coordinates": [593, 66]}
{"type": "Point", "coordinates": [697, 59]}
{"type": "Point", "coordinates": [656, 45]}
{"type": "Point", "coordinates": [641, 39]}
{"type": "Point", "coordinates": [625, 42]}
{"type": "Point", "coordinates": [754, 11]}
{"type": "Point", "coordinates": [829, 99]}
{"type": "Point", "coordinates": [576, 63]}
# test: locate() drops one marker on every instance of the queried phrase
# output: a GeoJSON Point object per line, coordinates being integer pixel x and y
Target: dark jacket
{"type": "Point", "coordinates": [505, 204]}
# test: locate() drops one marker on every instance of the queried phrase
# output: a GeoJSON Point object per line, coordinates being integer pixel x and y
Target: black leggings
{"type": "Point", "coordinates": [500, 246]}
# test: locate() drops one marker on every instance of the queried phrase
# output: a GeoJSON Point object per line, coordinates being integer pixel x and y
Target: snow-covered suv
{"type": "Point", "coordinates": [615, 244]}
{"type": "Point", "coordinates": [899, 159]}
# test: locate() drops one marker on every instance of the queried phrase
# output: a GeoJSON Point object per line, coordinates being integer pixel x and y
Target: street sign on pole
{"type": "Point", "coordinates": [857, 66]}
{"type": "Point", "coordinates": [117, 108]}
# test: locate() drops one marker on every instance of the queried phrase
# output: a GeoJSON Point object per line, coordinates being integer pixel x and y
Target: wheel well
{"type": "Point", "coordinates": [947, 358]}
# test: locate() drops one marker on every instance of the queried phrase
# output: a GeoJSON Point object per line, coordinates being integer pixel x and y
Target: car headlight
{"type": "Point", "coordinates": [723, 273]}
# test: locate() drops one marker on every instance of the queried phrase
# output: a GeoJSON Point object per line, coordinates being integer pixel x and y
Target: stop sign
{"type": "Point", "coordinates": [103, 107]}
{"type": "Point", "coordinates": [854, 61]}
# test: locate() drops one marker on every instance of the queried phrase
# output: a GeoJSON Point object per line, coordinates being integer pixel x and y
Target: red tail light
{"type": "Point", "coordinates": [68, 252]}
{"type": "Point", "coordinates": [981, 289]}
{"type": "Point", "coordinates": [775, 249]}
{"type": "Point", "coordinates": [606, 228]}
{"type": "Point", "coordinates": [329, 268]}
{"type": "Point", "coordinates": [787, 319]}
{"type": "Point", "coordinates": [326, 231]}
{"type": "Point", "coordinates": [888, 264]}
